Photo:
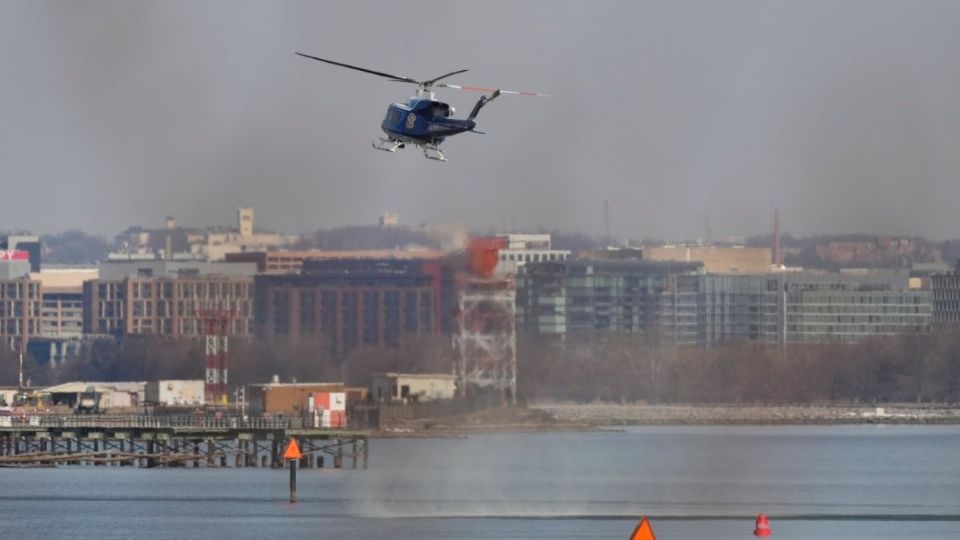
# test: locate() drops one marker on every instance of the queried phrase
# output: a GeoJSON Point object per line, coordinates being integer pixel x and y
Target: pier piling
{"type": "Point", "coordinates": [147, 442]}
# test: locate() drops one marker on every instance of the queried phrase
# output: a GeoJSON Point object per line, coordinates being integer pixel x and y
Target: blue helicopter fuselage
{"type": "Point", "coordinates": [423, 121]}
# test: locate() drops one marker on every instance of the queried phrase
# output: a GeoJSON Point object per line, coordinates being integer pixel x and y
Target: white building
{"type": "Point", "coordinates": [175, 392]}
{"type": "Point", "coordinates": [210, 244]}
{"type": "Point", "coordinates": [413, 387]}
{"type": "Point", "coordinates": [524, 248]}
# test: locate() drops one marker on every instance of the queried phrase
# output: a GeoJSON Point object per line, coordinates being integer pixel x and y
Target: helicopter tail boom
{"type": "Point", "coordinates": [483, 101]}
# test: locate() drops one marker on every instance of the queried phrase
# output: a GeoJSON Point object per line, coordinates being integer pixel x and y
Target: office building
{"type": "Point", "coordinates": [515, 250]}
{"type": "Point", "coordinates": [175, 307]}
{"type": "Point", "coordinates": [687, 307]}
{"type": "Point", "coordinates": [20, 301]}
{"type": "Point", "coordinates": [344, 304]}
{"type": "Point", "coordinates": [945, 295]}
{"type": "Point", "coordinates": [620, 296]}
{"type": "Point", "coordinates": [21, 242]}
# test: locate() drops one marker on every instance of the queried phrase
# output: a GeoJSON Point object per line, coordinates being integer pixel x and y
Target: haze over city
{"type": "Point", "coordinates": [843, 115]}
{"type": "Point", "coordinates": [694, 267]}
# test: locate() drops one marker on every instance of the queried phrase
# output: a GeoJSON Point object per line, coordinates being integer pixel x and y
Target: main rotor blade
{"type": "Point", "coordinates": [370, 71]}
{"type": "Point", "coordinates": [432, 81]}
{"type": "Point", "coordinates": [486, 90]}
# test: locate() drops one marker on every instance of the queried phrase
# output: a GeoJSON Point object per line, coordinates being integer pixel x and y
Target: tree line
{"type": "Point", "coordinates": [640, 367]}
{"type": "Point", "coordinates": [587, 366]}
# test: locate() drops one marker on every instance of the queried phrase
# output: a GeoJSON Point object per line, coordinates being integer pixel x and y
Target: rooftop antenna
{"type": "Point", "coordinates": [777, 252]}
{"type": "Point", "coordinates": [708, 233]}
{"type": "Point", "coordinates": [606, 221]}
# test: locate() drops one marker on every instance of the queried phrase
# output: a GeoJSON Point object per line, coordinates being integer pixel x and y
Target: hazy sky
{"type": "Point", "coordinates": [845, 114]}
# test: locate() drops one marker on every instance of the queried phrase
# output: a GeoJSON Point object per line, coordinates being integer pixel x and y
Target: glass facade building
{"type": "Point", "coordinates": [689, 307]}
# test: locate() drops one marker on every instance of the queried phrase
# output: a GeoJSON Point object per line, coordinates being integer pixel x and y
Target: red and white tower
{"type": "Point", "coordinates": [486, 333]}
{"type": "Point", "coordinates": [216, 325]}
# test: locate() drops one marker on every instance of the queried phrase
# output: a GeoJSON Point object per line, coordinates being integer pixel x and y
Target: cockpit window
{"type": "Point", "coordinates": [440, 110]}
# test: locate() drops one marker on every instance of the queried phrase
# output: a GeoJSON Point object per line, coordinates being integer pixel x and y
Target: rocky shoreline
{"type": "Point", "coordinates": [613, 414]}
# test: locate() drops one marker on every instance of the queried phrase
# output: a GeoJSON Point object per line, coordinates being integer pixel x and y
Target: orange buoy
{"type": "Point", "coordinates": [762, 527]}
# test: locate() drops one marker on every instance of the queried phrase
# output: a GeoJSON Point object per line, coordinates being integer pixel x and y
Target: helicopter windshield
{"type": "Point", "coordinates": [441, 110]}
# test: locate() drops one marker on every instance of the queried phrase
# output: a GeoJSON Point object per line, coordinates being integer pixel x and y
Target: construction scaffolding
{"type": "Point", "coordinates": [486, 326]}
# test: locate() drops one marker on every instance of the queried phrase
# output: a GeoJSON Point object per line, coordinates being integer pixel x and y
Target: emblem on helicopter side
{"type": "Point", "coordinates": [411, 120]}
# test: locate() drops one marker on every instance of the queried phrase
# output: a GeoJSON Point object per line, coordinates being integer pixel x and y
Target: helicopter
{"type": "Point", "coordinates": [424, 121]}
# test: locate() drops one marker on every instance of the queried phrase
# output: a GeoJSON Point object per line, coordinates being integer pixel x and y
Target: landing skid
{"type": "Point", "coordinates": [387, 145]}
{"type": "Point", "coordinates": [430, 151]}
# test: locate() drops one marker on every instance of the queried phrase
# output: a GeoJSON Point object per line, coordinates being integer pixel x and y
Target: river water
{"type": "Point", "coordinates": [852, 483]}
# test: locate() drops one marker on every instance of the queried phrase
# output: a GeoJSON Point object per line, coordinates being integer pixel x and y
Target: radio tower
{"type": "Point", "coordinates": [216, 329]}
{"type": "Point", "coordinates": [777, 252]}
{"type": "Point", "coordinates": [606, 222]}
{"type": "Point", "coordinates": [486, 325]}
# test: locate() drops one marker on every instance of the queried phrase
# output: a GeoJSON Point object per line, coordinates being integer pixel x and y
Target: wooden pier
{"type": "Point", "coordinates": [174, 441]}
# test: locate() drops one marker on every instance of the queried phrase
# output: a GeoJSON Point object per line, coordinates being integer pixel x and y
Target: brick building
{"type": "Point", "coordinates": [165, 306]}
{"type": "Point", "coordinates": [351, 303]}
{"type": "Point", "coordinates": [20, 301]}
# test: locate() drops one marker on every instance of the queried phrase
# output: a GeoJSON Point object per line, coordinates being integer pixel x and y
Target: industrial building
{"type": "Point", "coordinates": [345, 304]}
{"type": "Point", "coordinates": [165, 306]}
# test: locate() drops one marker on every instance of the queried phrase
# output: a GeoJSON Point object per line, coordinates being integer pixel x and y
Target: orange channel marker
{"type": "Point", "coordinates": [292, 451]}
{"type": "Point", "coordinates": [643, 531]}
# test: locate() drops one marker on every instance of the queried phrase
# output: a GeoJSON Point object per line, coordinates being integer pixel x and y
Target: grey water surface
{"type": "Point", "coordinates": [852, 483]}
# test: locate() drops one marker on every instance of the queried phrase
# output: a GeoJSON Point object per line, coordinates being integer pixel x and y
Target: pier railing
{"type": "Point", "coordinates": [157, 422]}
